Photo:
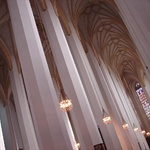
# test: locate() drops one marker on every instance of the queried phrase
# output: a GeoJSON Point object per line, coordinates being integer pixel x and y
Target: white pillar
{"type": "Point", "coordinates": [116, 101]}
{"type": "Point", "coordinates": [127, 114]}
{"type": "Point", "coordinates": [16, 125]}
{"type": "Point", "coordinates": [49, 121]}
{"type": "Point", "coordinates": [110, 102]}
{"type": "Point", "coordinates": [22, 109]}
{"type": "Point", "coordinates": [93, 92]}
{"type": "Point", "coordinates": [82, 115]}
{"type": "Point", "coordinates": [7, 129]}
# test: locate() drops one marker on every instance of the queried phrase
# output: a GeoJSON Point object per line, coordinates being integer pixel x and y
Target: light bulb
{"type": "Point", "coordinates": [148, 133]}
{"type": "Point", "coordinates": [77, 145]}
{"type": "Point", "coordinates": [107, 119]}
{"type": "Point", "coordinates": [135, 129]}
{"type": "Point", "coordinates": [65, 105]}
{"type": "Point", "coordinates": [125, 126]}
{"type": "Point", "coordinates": [143, 132]}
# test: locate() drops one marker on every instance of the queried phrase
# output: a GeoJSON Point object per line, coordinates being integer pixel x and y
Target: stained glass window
{"type": "Point", "coordinates": [143, 100]}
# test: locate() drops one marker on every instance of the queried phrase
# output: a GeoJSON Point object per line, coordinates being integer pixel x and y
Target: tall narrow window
{"type": "Point", "coordinates": [143, 99]}
{"type": "Point", "coordinates": [2, 145]}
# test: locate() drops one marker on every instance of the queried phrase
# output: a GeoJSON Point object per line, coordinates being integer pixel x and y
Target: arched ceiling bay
{"type": "Point", "coordinates": [5, 54]}
{"type": "Point", "coordinates": [100, 25]}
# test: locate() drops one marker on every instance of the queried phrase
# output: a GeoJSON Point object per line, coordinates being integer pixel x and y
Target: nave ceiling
{"type": "Point", "coordinates": [98, 25]}
{"type": "Point", "coordinates": [5, 52]}
{"type": "Point", "coordinates": [101, 27]}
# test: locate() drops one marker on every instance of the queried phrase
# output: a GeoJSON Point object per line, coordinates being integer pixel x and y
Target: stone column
{"type": "Point", "coordinates": [110, 101]}
{"type": "Point", "coordinates": [7, 129]}
{"type": "Point", "coordinates": [81, 113]}
{"type": "Point", "coordinates": [49, 122]}
{"type": "Point", "coordinates": [94, 94]}
{"type": "Point", "coordinates": [22, 109]}
{"type": "Point", "coordinates": [16, 125]}
{"type": "Point", "coordinates": [125, 109]}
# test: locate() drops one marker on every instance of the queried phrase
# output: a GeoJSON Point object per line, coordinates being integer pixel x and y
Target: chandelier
{"type": "Point", "coordinates": [135, 128]}
{"type": "Point", "coordinates": [106, 117]}
{"type": "Point", "coordinates": [77, 145]}
{"type": "Point", "coordinates": [125, 126]}
{"type": "Point", "coordinates": [143, 132]}
{"type": "Point", "coordinates": [148, 133]}
{"type": "Point", "coordinates": [65, 105]}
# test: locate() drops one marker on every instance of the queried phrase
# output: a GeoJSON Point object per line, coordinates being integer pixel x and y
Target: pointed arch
{"type": "Point", "coordinates": [2, 95]}
{"type": "Point", "coordinates": [5, 53]}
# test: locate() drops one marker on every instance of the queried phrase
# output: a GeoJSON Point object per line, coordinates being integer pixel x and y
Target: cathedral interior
{"type": "Point", "coordinates": [65, 66]}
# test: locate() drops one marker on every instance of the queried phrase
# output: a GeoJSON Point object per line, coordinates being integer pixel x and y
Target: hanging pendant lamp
{"type": "Point", "coordinates": [106, 117]}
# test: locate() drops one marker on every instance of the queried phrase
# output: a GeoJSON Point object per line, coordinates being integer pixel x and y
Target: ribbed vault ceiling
{"type": "Point", "coordinates": [5, 55]}
{"type": "Point", "coordinates": [100, 24]}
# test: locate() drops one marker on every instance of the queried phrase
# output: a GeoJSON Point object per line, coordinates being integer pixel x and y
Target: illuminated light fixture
{"type": "Point", "coordinates": [77, 145]}
{"type": "Point", "coordinates": [125, 126]}
{"type": "Point", "coordinates": [66, 105]}
{"type": "Point", "coordinates": [106, 118]}
{"type": "Point", "coordinates": [143, 132]}
{"type": "Point", "coordinates": [135, 128]}
{"type": "Point", "coordinates": [148, 133]}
